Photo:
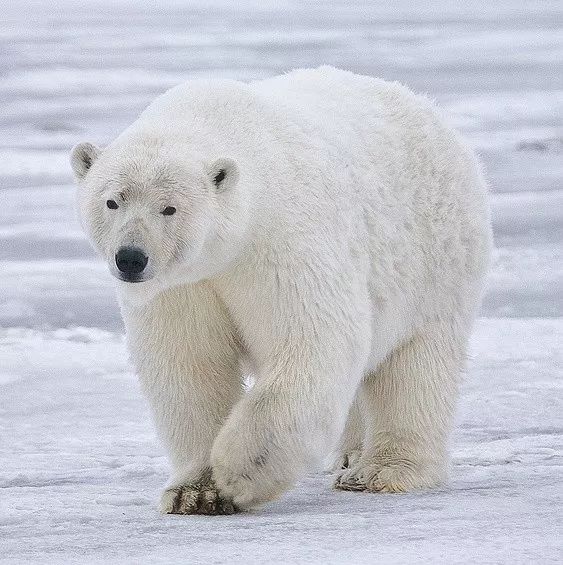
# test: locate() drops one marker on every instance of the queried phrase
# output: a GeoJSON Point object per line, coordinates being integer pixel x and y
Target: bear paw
{"type": "Point", "coordinates": [247, 468]}
{"type": "Point", "coordinates": [248, 488]}
{"type": "Point", "coordinates": [393, 476]}
{"type": "Point", "coordinates": [199, 497]}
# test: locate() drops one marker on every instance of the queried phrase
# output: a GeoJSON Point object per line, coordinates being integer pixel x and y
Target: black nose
{"type": "Point", "coordinates": [131, 261]}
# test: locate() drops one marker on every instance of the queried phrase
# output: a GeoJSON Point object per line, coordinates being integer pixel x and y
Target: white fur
{"type": "Point", "coordinates": [342, 258]}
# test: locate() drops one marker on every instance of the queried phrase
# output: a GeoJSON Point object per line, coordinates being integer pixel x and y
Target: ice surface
{"type": "Point", "coordinates": [80, 468]}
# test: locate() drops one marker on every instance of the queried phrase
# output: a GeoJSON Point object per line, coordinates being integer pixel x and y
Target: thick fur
{"type": "Point", "coordinates": [341, 258]}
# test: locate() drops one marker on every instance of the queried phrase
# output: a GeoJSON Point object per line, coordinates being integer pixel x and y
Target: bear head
{"type": "Point", "coordinates": [159, 214]}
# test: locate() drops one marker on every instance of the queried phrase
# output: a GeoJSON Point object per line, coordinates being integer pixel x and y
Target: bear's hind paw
{"type": "Point", "coordinates": [398, 476]}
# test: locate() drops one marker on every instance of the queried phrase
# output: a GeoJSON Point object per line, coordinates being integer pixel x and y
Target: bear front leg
{"type": "Point", "coordinates": [309, 365]}
{"type": "Point", "coordinates": [284, 425]}
{"type": "Point", "coordinates": [188, 363]}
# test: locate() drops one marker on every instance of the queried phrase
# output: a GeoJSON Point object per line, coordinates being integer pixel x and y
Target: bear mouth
{"type": "Point", "coordinates": [131, 278]}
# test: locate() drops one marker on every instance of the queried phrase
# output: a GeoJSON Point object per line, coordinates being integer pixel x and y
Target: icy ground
{"type": "Point", "coordinates": [80, 469]}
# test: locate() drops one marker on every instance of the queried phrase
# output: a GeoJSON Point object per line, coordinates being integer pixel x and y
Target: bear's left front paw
{"type": "Point", "coordinates": [246, 482]}
{"type": "Point", "coordinates": [248, 469]}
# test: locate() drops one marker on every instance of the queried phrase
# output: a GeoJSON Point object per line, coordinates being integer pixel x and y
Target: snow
{"type": "Point", "coordinates": [81, 468]}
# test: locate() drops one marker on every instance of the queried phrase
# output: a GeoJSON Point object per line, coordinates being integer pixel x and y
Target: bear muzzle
{"type": "Point", "coordinates": [131, 262]}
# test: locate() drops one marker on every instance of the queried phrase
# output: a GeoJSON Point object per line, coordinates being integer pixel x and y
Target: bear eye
{"type": "Point", "coordinates": [112, 205]}
{"type": "Point", "coordinates": [219, 177]}
{"type": "Point", "coordinates": [169, 210]}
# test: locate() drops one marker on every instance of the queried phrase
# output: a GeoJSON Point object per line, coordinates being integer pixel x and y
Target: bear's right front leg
{"type": "Point", "coordinates": [187, 357]}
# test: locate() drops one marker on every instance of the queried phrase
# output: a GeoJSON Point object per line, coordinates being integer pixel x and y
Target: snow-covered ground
{"type": "Point", "coordinates": [80, 468]}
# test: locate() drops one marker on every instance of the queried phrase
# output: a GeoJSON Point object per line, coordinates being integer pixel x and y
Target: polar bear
{"type": "Point", "coordinates": [324, 231]}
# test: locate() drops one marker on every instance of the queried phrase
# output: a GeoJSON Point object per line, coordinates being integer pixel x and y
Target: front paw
{"type": "Point", "coordinates": [197, 497]}
{"type": "Point", "coordinates": [249, 470]}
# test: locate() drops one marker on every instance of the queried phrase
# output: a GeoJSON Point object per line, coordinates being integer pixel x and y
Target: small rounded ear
{"type": "Point", "coordinates": [223, 173]}
{"type": "Point", "coordinates": [82, 157]}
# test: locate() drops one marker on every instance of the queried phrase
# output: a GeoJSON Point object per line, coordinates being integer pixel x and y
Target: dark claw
{"type": "Point", "coordinates": [350, 485]}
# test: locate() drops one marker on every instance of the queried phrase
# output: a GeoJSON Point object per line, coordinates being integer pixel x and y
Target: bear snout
{"type": "Point", "coordinates": [131, 262]}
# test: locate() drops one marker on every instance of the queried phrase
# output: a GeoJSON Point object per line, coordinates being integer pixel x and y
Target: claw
{"type": "Point", "coordinates": [196, 498]}
{"type": "Point", "coordinates": [348, 484]}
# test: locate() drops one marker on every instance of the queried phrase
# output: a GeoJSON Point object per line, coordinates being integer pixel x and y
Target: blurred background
{"type": "Point", "coordinates": [80, 467]}
{"type": "Point", "coordinates": [74, 71]}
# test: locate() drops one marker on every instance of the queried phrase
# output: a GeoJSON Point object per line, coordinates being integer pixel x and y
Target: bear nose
{"type": "Point", "coordinates": [131, 260]}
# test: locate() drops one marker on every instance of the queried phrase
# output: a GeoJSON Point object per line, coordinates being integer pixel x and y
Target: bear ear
{"type": "Point", "coordinates": [82, 157]}
{"type": "Point", "coordinates": [223, 173]}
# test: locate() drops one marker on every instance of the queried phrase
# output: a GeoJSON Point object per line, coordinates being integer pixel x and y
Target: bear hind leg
{"type": "Point", "coordinates": [408, 406]}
